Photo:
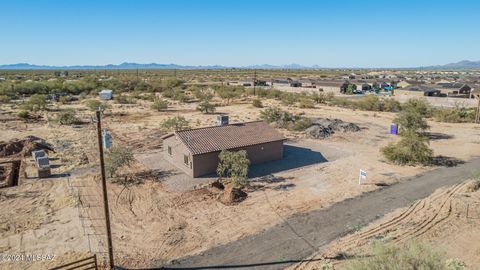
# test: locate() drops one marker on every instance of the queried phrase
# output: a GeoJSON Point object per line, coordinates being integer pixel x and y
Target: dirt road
{"type": "Point", "coordinates": [303, 234]}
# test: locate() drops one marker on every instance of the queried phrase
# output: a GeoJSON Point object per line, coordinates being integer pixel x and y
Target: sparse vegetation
{"type": "Point", "coordinates": [206, 107]}
{"type": "Point", "coordinates": [159, 104]}
{"type": "Point", "coordinates": [35, 103]}
{"type": "Point", "coordinates": [94, 105]}
{"type": "Point", "coordinates": [175, 123]}
{"type": "Point", "coordinates": [257, 103]}
{"type": "Point", "coordinates": [23, 115]}
{"type": "Point", "coordinates": [411, 256]}
{"type": "Point", "coordinates": [116, 158]}
{"type": "Point", "coordinates": [68, 117]}
{"type": "Point", "coordinates": [455, 115]}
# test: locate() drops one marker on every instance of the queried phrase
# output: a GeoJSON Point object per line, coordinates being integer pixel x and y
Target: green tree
{"type": "Point", "coordinates": [116, 158]}
{"type": "Point", "coordinates": [94, 104]}
{"type": "Point", "coordinates": [234, 165]}
{"type": "Point", "coordinates": [175, 123]}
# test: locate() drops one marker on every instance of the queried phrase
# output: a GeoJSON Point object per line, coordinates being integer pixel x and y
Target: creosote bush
{"type": "Point", "coordinates": [412, 149]}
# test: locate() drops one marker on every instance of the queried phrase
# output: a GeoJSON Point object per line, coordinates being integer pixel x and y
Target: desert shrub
{"type": "Point", "coordinates": [123, 99]}
{"type": "Point", "coordinates": [412, 149]}
{"type": "Point", "coordinates": [288, 98]}
{"type": "Point", "coordinates": [306, 103]}
{"type": "Point", "coordinates": [201, 93]}
{"type": "Point", "coordinates": [370, 103]}
{"type": "Point", "coordinates": [342, 102]}
{"type": "Point", "coordinates": [94, 104]}
{"type": "Point", "coordinates": [23, 114]}
{"type": "Point", "coordinates": [321, 97]}
{"type": "Point", "coordinates": [418, 105]}
{"type": "Point", "coordinates": [179, 95]}
{"type": "Point", "coordinates": [234, 165]}
{"type": "Point", "coordinates": [410, 256]}
{"type": "Point", "coordinates": [302, 124]}
{"type": "Point", "coordinates": [35, 103]}
{"type": "Point", "coordinates": [159, 105]}
{"type": "Point", "coordinates": [116, 158]}
{"type": "Point", "coordinates": [473, 186]}
{"type": "Point", "coordinates": [391, 105]}
{"type": "Point", "coordinates": [68, 118]}
{"type": "Point", "coordinates": [456, 264]}
{"type": "Point", "coordinates": [411, 120]}
{"type": "Point", "coordinates": [175, 123]}
{"type": "Point", "coordinates": [257, 103]}
{"type": "Point", "coordinates": [274, 93]}
{"type": "Point", "coordinates": [454, 115]}
{"type": "Point", "coordinates": [274, 114]}
{"type": "Point", "coordinates": [206, 107]}
{"type": "Point", "coordinates": [228, 93]}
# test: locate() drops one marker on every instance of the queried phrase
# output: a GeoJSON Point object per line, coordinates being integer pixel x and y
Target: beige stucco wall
{"type": "Point", "coordinates": [178, 151]}
{"type": "Point", "coordinates": [207, 163]}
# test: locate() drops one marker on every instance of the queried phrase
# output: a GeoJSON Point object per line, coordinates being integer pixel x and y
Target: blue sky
{"type": "Point", "coordinates": [237, 33]}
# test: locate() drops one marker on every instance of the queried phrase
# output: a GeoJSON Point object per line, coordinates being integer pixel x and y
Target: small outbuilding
{"type": "Point", "coordinates": [195, 151]}
{"type": "Point", "coordinates": [106, 94]}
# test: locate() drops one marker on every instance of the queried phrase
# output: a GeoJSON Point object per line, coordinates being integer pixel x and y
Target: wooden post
{"type": "Point", "coordinates": [477, 114]}
{"type": "Point", "coordinates": [104, 188]}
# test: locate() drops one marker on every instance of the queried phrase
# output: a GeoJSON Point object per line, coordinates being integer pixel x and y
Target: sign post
{"type": "Point", "coordinates": [362, 176]}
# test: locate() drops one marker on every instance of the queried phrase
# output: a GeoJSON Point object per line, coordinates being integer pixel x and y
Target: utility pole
{"type": "Point", "coordinates": [104, 187]}
{"type": "Point", "coordinates": [254, 82]}
{"type": "Point", "coordinates": [137, 74]}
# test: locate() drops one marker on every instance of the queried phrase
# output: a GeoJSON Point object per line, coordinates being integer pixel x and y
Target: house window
{"type": "Point", "coordinates": [170, 150]}
{"type": "Point", "coordinates": [185, 159]}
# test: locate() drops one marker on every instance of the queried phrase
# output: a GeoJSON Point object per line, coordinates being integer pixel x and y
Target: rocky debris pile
{"type": "Point", "coordinates": [24, 147]}
{"type": "Point", "coordinates": [324, 127]}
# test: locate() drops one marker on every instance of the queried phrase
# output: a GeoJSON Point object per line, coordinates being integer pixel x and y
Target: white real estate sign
{"type": "Point", "coordinates": [362, 176]}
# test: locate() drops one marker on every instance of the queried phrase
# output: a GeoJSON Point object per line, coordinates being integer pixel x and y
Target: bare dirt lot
{"type": "Point", "coordinates": [167, 215]}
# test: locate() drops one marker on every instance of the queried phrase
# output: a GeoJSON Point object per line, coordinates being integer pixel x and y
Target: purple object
{"type": "Point", "coordinates": [394, 129]}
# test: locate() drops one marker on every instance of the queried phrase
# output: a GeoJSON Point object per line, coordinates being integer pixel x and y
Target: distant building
{"type": "Point", "coordinates": [195, 151]}
{"type": "Point", "coordinates": [106, 94]}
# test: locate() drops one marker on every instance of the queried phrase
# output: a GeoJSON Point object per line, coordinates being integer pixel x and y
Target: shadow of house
{"type": "Point", "coordinates": [294, 157]}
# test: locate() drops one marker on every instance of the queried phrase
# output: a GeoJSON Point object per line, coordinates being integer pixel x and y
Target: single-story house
{"type": "Point", "coordinates": [195, 151]}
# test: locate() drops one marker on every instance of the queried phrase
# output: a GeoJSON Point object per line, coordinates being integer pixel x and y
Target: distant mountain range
{"type": "Point", "coordinates": [465, 64]}
{"type": "Point", "coordinates": [126, 65]}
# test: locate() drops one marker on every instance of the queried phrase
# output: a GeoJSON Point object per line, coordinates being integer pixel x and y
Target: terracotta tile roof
{"type": "Point", "coordinates": [217, 138]}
